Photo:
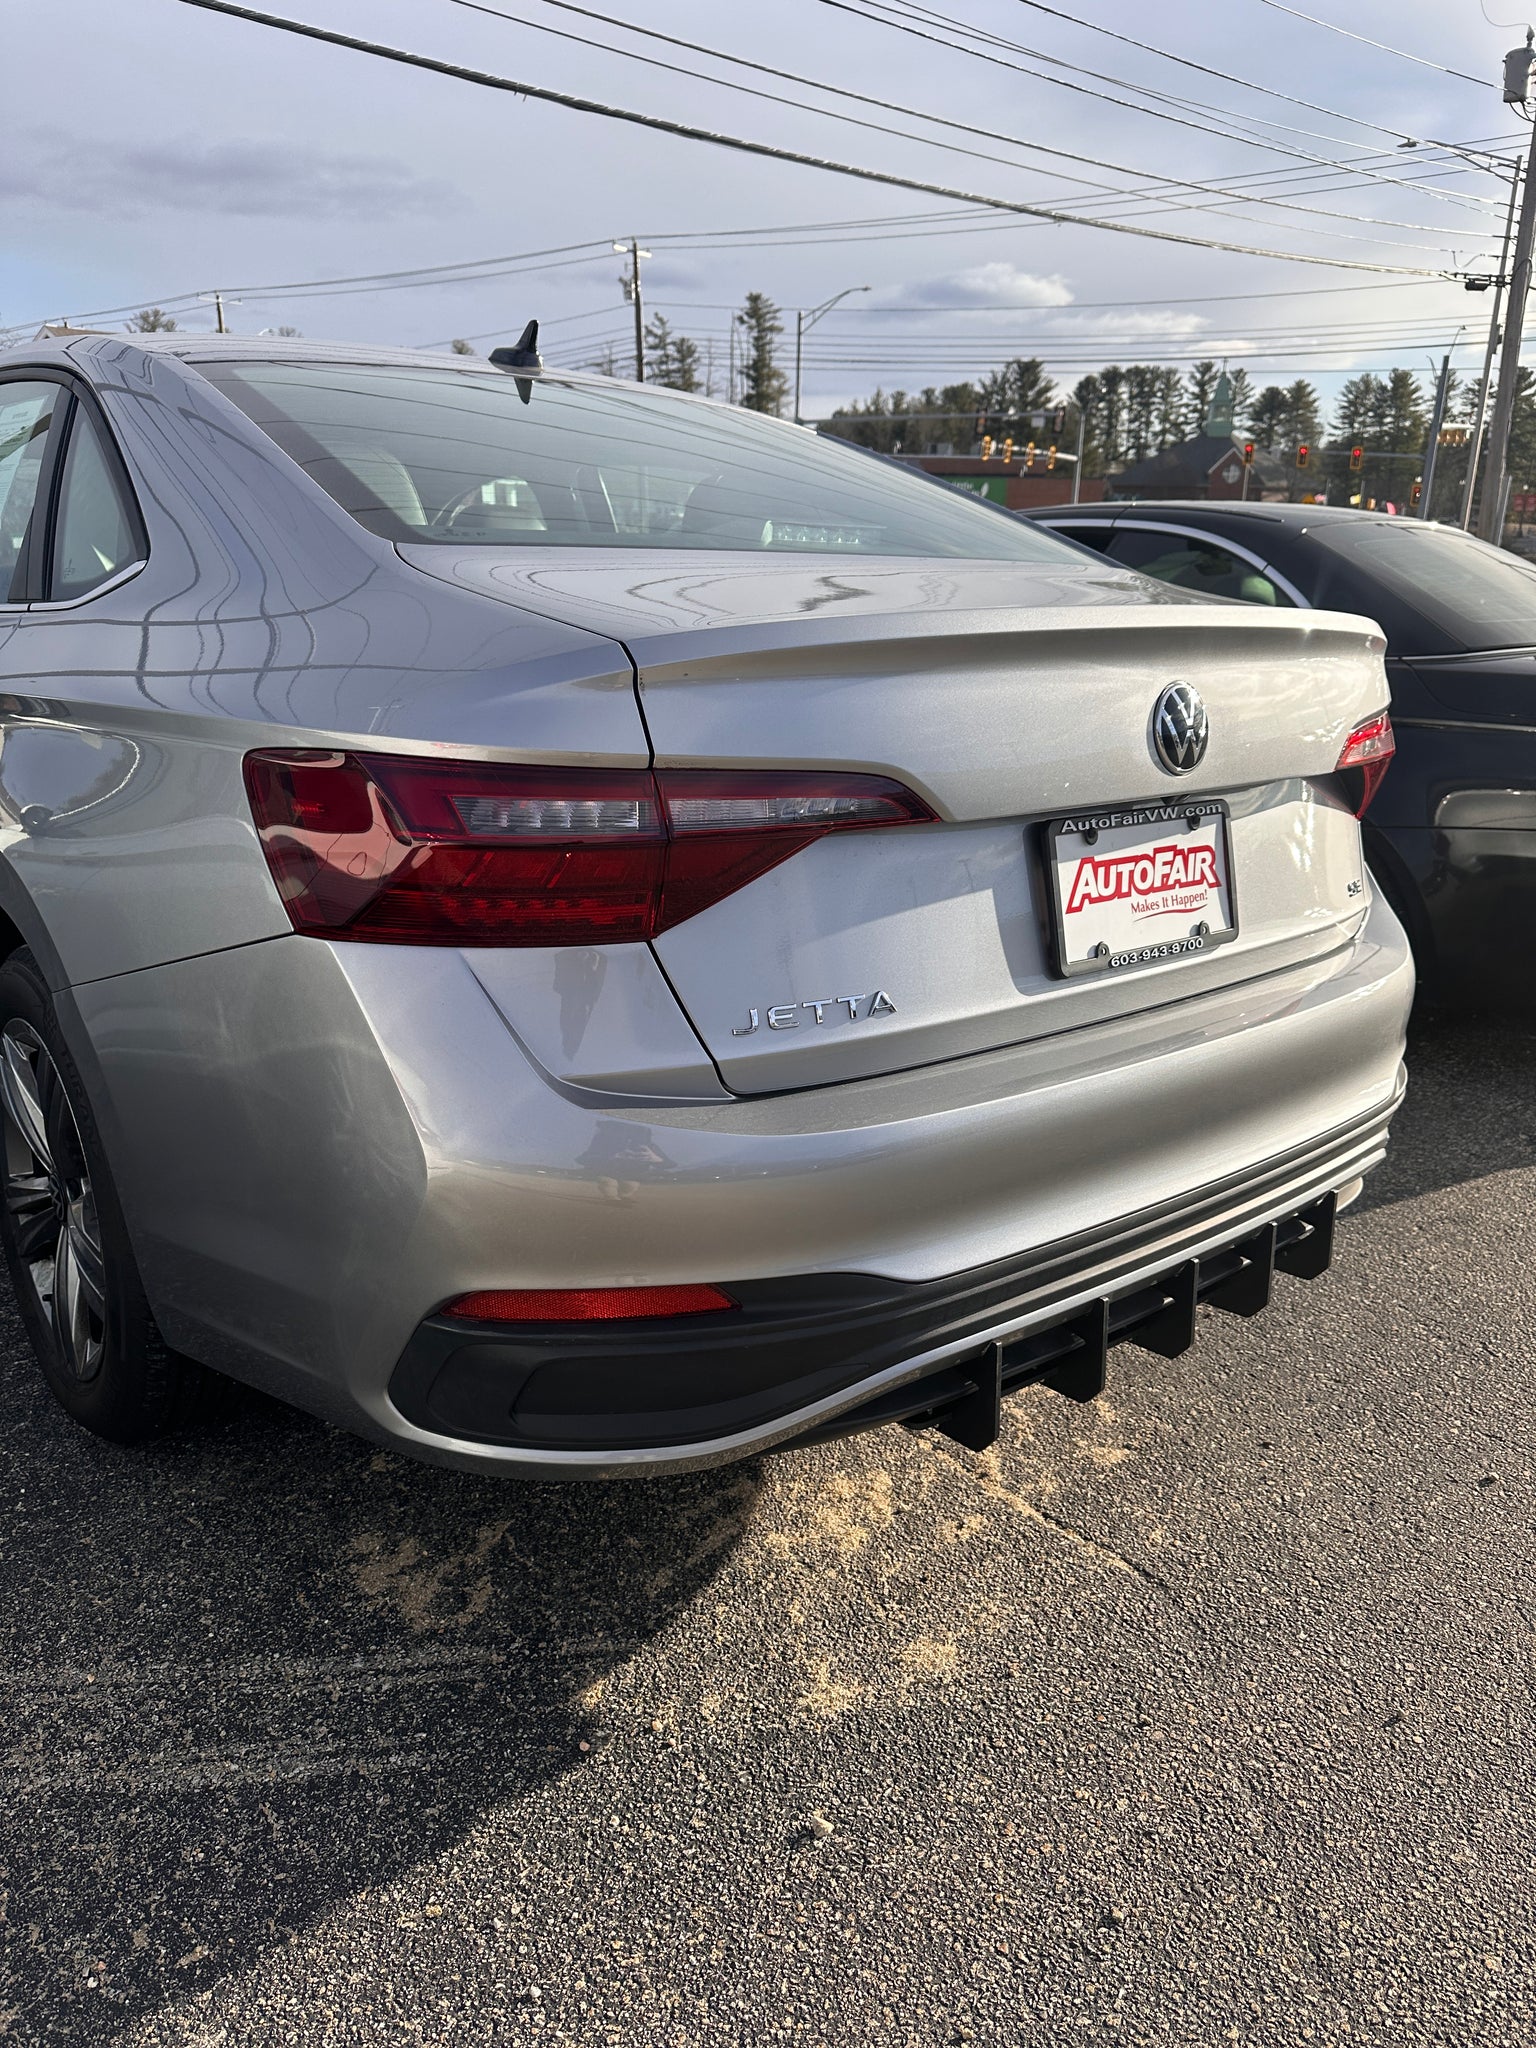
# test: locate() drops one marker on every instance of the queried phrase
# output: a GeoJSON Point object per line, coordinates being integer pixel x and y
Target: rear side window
{"type": "Point", "coordinates": [1195, 564]}
{"type": "Point", "coordinates": [1434, 589]}
{"type": "Point", "coordinates": [462, 458]}
{"type": "Point", "coordinates": [1089, 536]}
{"type": "Point", "coordinates": [26, 415]}
{"type": "Point", "coordinates": [95, 534]}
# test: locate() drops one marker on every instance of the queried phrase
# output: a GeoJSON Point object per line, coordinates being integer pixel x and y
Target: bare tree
{"type": "Point", "coordinates": [153, 320]}
{"type": "Point", "coordinates": [460, 346]}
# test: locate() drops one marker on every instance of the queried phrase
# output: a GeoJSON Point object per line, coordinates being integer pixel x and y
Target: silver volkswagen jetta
{"type": "Point", "coordinates": [569, 928]}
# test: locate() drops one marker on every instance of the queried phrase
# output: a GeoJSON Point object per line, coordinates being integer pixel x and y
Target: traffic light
{"type": "Point", "coordinates": [986, 447]}
{"type": "Point", "coordinates": [1247, 455]}
{"type": "Point", "coordinates": [1008, 449]}
{"type": "Point", "coordinates": [1050, 460]}
{"type": "Point", "coordinates": [1029, 456]}
{"type": "Point", "coordinates": [1416, 493]}
{"type": "Point", "coordinates": [1357, 459]}
{"type": "Point", "coordinates": [1303, 455]}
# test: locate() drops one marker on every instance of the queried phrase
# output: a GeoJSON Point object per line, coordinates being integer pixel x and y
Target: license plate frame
{"type": "Point", "coordinates": [1213, 829]}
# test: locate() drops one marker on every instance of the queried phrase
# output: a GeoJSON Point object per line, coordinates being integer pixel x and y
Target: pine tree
{"type": "Point", "coordinates": [1141, 391]}
{"type": "Point", "coordinates": [670, 358]}
{"type": "Point", "coordinates": [1112, 414]}
{"type": "Point", "coordinates": [1168, 424]}
{"type": "Point", "coordinates": [764, 385]}
{"type": "Point", "coordinates": [1199, 389]}
{"type": "Point", "coordinates": [1016, 390]}
{"type": "Point", "coordinates": [153, 320]}
{"type": "Point", "coordinates": [1304, 414]}
{"type": "Point", "coordinates": [1358, 402]}
{"type": "Point", "coordinates": [1268, 417]}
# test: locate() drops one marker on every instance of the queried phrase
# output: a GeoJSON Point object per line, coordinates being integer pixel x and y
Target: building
{"type": "Point", "coordinates": [1014, 484]}
{"type": "Point", "coordinates": [1208, 466]}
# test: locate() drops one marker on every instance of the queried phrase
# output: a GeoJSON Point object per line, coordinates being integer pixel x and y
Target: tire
{"type": "Point", "coordinates": [66, 1245]}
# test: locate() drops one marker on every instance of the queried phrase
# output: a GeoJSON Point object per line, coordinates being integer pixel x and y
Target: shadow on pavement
{"type": "Point", "coordinates": [248, 1676]}
{"type": "Point", "coordinates": [1470, 1110]}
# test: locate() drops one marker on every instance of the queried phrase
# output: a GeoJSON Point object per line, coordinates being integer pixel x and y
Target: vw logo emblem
{"type": "Point", "coordinates": [1180, 728]}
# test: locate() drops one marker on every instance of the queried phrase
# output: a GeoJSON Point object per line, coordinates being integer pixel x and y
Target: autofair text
{"type": "Point", "coordinates": [1154, 871]}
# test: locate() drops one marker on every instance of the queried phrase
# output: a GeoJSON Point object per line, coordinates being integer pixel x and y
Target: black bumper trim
{"type": "Point", "coordinates": [810, 1343]}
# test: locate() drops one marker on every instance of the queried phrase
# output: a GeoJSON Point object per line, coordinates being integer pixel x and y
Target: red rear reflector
{"type": "Point", "coordinates": [1368, 754]}
{"type": "Point", "coordinates": [400, 850]}
{"type": "Point", "coordinates": [585, 1304]}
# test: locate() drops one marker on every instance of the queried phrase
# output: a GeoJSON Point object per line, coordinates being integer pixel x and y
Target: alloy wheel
{"type": "Point", "coordinates": [50, 1201]}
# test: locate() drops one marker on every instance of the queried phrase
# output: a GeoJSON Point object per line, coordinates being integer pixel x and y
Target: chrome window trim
{"type": "Point", "coordinates": [70, 604]}
{"type": "Point", "coordinates": [1219, 540]}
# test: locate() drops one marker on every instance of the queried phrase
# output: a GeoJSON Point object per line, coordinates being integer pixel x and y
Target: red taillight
{"type": "Point", "coordinates": [1367, 755]}
{"type": "Point", "coordinates": [585, 1304]}
{"type": "Point", "coordinates": [405, 851]}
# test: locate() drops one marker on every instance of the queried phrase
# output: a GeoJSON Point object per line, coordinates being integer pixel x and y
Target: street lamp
{"type": "Point", "coordinates": [804, 322]}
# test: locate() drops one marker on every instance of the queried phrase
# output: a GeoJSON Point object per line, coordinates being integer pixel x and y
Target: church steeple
{"type": "Point", "coordinates": [1219, 419]}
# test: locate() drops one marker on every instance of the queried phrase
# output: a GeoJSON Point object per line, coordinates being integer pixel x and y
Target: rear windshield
{"type": "Point", "coordinates": [491, 460]}
{"type": "Point", "coordinates": [1435, 590]}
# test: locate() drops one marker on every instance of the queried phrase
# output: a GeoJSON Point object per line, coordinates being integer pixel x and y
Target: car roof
{"type": "Point", "coordinates": [1296, 519]}
{"type": "Point", "coordinates": [86, 348]}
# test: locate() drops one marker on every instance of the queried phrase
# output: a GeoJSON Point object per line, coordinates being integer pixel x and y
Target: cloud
{"type": "Point", "coordinates": [988, 284]}
{"type": "Point", "coordinates": [1151, 326]}
{"type": "Point", "coordinates": [128, 180]}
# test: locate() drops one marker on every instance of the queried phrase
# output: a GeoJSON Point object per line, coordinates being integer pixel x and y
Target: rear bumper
{"type": "Point", "coordinates": [319, 1145]}
{"type": "Point", "coordinates": [825, 1354]}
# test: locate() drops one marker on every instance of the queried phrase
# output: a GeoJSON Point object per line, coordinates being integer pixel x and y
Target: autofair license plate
{"type": "Point", "coordinates": [1131, 888]}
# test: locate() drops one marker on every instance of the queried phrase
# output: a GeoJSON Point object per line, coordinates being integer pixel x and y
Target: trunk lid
{"type": "Point", "coordinates": [1005, 694]}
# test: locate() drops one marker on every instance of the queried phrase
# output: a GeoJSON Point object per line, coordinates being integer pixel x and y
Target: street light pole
{"type": "Point", "coordinates": [1077, 466]}
{"type": "Point", "coordinates": [1496, 483]}
{"type": "Point", "coordinates": [1437, 421]}
{"type": "Point", "coordinates": [804, 322]}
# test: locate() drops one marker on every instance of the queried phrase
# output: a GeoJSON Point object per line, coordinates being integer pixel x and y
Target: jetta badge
{"type": "Point", "coordinates": [1180, 728]}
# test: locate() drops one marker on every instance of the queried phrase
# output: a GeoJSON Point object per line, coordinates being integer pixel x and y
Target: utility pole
{"type": "Point", "coordinates": [1479, 419]}
{"type": "Point", "coordinates": [218, 313]}
{"type": "Point", "coordinates": [1437, 420]}
{"type": "Point", "coordinates": [804, 322]}
{"type": "Point", "coordinates": [1517, 91]}
{"type": "Point", "coordinates": [631, 284]}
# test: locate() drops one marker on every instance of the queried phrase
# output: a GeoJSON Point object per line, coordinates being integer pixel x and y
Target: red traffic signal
{"type": "Point", "coordinates": [1303, 455]}
{"type": "Point", "coordinates": [1247, 455]}
{"type": "Point", "coordinates": [1357, 458]}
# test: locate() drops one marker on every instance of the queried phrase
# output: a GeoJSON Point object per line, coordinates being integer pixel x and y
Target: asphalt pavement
{"type": "Point", "coordinates": [1201, 1715]}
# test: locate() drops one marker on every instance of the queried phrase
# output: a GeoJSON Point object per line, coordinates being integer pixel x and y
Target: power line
{"type": "Point", "coordinates": [1210, 71]}
{"type": "Point", "coordinates": [910, 8]}
{"type": "Point", "coordinates": [774, 152]}
{"type": "Point", "coordinates": [1202, 127]}
{"type": "Point", "coordinates": [888, 106]}
{"type": "Point", "coordinates": [1334, 29]}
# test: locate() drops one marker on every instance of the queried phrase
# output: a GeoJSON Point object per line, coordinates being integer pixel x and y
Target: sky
{"type": "Point", "coordinates": [166, 152]}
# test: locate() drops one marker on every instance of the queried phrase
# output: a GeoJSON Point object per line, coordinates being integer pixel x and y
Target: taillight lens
{"type": "Point", "coordinates": [1366, 758]}
{"type": "Point", "coordinates": [586, 1304]}
{"type": "Point", "coordinates": [405, 851]}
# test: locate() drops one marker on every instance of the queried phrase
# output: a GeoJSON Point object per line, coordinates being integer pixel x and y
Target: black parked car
{"type": "Point", "coordinates": [1451, 836]}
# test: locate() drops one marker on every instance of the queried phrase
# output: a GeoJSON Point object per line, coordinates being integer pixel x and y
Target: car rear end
{"type": "Point", "coordinates": [970, 965]}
